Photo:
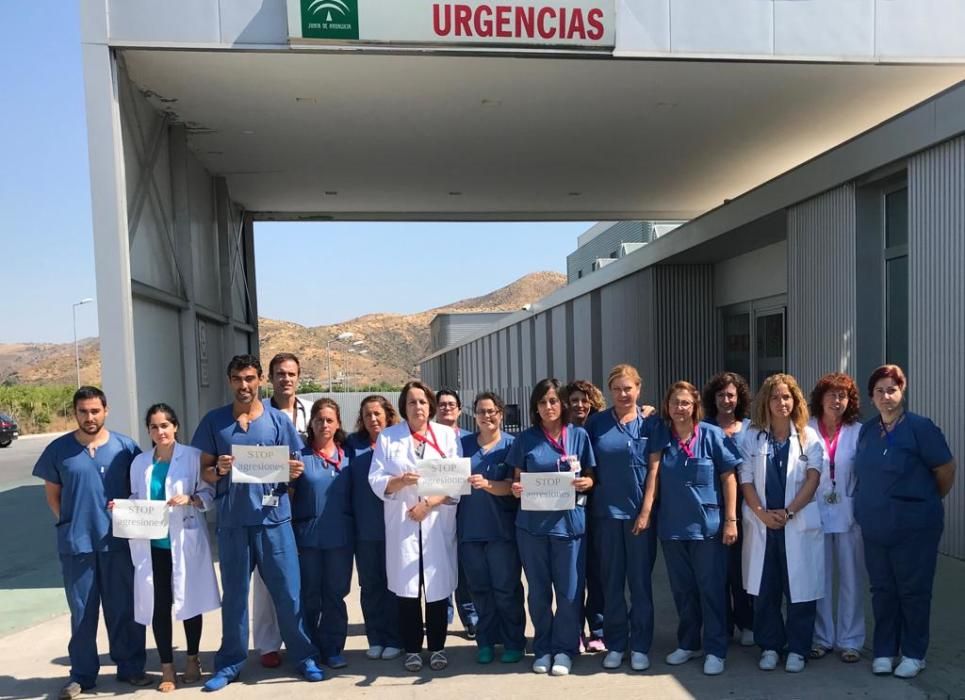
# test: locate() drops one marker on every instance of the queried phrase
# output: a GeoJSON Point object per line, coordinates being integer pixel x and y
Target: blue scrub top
{"type": "Point", "coordinates": [691, 497]}
{"type": "Point", "coordinates": [87, 484]}
{"type": "Point", "coordinates": [775, 478]}
{"type": "Point", "coordinates": [322, 504]}
{"type": "Point", "coordinates": [895, 489]}
{"type": "Point", "coordinates": [240, 505]}
{"type": "Point", "coordinates": [621, 453]}
{"type": "Point", "coordinates": [159, 475]}
{"type": "Point", "coordinates": [367, 508]}
{"type": "Point", "coordinates": [532, 452]}
{"type": "Point", "coordinates": [483, 517]}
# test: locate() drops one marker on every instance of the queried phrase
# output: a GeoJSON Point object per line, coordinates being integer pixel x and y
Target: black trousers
{"type": "Point", "coordinates": [411, 622]}
{"type": "Point", "coordinates": [163, 602]}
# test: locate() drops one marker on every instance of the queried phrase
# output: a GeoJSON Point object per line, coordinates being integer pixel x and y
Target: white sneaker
{"type": "Point", "coordinates": [613, 659]}
{"type": "Point", "coordinates": [747, 638]}
{"type": "Point", "coordinates": [374, 652]}
{"type": "Point", "coordinates": [542, 664]}
{"type": "Point", "coordinates": [561, 665]}
{"type": "Point", "coordinates": [794, 663]}
{"type": "Point", "coordinates": [909, 668]}
{"type": "Point", "coordinates": [390, 653]}
{"type": "Point", "coordinates": [681, 656]}
{"type": "Point", "coordinates": [713, 665]}
{"type": "Point", "coordinates": [882, 666]}
{"type": "Point", "coordinates": [639, 661]}
{"type": "Point", "coordinates": [769, 659]}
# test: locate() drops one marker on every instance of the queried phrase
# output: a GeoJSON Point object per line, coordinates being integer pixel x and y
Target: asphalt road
{"type": "Point", "coordinates": [17, 461]}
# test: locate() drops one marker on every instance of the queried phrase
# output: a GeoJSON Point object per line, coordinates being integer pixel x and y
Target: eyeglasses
{"type": "Point", "coordinates": [487, 412]}
{"type": "Point", "coordinates": [448, 405]}
{"type": "Point", "coordinates": [681, 404]}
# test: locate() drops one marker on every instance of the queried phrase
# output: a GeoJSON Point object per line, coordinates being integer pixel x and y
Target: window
{"type": "Point", "coordinates": [754, 339]}
{"type": "Point", "coordinates": [895, 207]}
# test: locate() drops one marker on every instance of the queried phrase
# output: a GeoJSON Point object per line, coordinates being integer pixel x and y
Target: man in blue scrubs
{"type": "Point", "coordinates": [254, 524]}
{"type": "Point", "coordinates": [82, 472]}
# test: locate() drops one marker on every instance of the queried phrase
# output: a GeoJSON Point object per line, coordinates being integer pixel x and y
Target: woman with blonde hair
{"type": "Point", "coordinates": [783, 551]}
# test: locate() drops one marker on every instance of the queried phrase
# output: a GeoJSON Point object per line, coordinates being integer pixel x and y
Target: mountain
{"type": "Point", "coordinates": [393, 343]}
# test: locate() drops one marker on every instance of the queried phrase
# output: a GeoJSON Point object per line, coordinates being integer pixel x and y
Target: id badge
{"type": "Point", "coordinates": [831, 497]}
{"type": "Point", "coordinates": [270, 500]}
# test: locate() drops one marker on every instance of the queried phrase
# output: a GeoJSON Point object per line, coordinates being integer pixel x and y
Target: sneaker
{"type": "Point", "coordinates": [470, 630]}
{"type": "Point", "coordinates": [747, 638]}
{"type": "Point", "coordinates": [613, 659]}
{"type": "Point", "coordinates": [681, 656]}
{"type": "Point", "coordinates": [909, 668]}
{"type": "Point", "coordinates": [310, 671]}
{"type": "Point", "coordinates": [413, 662]}
{"type": "Point", "coordinates": [511, 656]}
{"type": "Point", "coordinates": [219, 681]}
{"type": "Point", "coordinates": [542, 664]}
{"type": "Point", "coordinates": [374, 652]}
{"type": "Point", "coordinates": [713, 665]}
{"type": "Point", "coordinates": [337, 661]}
{"type": "Point", "coordinates": [794, 663]}
{"type": "Point", "coordinates": [561, 665]}
{"type": "Point", "coordinates": [485, 655]}
{"type": "Point", "coordinates": [70, 691]}
{"type": "Point", "coordinates": [882, 666]}
{"type": "Point", "coordinates": [639, 661]}
{"type": "Point", "coordinates": [769, 659]}
{"type": "Point", "coordinates": [595, 644]}
{"type": "Point", "coordinates": [438, 660]}
{"type": "Point", "coordinates": [390, 653]}
{"type": "Point", "coordinates": [271, 660]}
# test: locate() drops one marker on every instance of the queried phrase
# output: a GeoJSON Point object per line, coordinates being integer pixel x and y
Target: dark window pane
{"type": "Point", "coordinates": [896, 218]}
{"type": "Point", "coordinates": [737, 344]}
{"type": "Point", "coordinates": [896, 311]}
{"type": "Point", "coordinates": [770, 345]}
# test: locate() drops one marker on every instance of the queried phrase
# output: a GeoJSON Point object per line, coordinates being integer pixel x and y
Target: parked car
{"type": "Point", "coordinates": [9, 431]}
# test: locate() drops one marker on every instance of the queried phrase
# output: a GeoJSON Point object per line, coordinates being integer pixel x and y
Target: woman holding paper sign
{"type": "Point", "coordinates": [487, 536]}
{"type": "Point", "coordinates": [420, 532]}
{"type": "Point", "coordinates": [551, 542]}
{"type": "Point", "coordinates": [696, 523]}
{"type": "Point", "coordinates": [322, 521]}
{"type": "Point", "coordinates": [176, 571]}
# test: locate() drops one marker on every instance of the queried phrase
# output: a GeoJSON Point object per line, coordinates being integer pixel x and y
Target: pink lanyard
{"type": "Point", "coordinates": [831, 445]}
{"type": "Point", "coordinates": [558, 445]}
{"type": "Point", "coordinates": [688, 447]}
{"type": "Point", "coordinates": [328, 460]}
{"type": "Point", "coordinates": [430, 440]}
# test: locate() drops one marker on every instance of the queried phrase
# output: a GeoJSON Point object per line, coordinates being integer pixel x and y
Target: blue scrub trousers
{"type": "Point", "coordinates": [627, 562]}
{"type": "Point", "coordinates": [554, 564]}
{"type": "Point", "coordinates": [102, 579]}
{"type": "Point", "coordinates": [901, 573]}
{"type": "Point", "coordinates": [326, 580]}
{"type": "Point", "coordinates": [465, 605]}
{"type": "Point", "coordinates": [494, 575]}
{"type": "Point", "coordinates": [380, 609]}
{"type": "Point", "coordinates": [771, 632]}
{"type": "Point", "coordinates": [593, 604]}
{"type": "Point", "coordinates": [740, 604]}
{"type": "Point", "coordinates": [272, 549]}
{"type": "Point", "coordinates": [697, 570]}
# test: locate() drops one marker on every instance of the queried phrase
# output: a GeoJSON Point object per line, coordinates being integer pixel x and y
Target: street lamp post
{"type": "Point", "coordinates": [76, 348]}
{"type": "Point", "coordinates": [356, 347]}
{"type": "Point", "coordinates": [340, 338]}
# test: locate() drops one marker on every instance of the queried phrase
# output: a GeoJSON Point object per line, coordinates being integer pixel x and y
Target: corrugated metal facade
{"type": "Point", "coordinates": [606, 244]}
{"type": "Point", "coordinates": [936, 373]}
{"type": "Point", "coordinates": [821, 279]}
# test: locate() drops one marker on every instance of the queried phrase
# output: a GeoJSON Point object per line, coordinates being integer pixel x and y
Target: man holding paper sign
{"type": "Point", "coordinates": [254, 523]}
{"type": "Point", "coordinates": [551, 543]}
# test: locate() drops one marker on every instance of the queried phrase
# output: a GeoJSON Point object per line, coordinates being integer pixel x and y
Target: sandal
{"type": "Point", "coordinates": [818, 652]}
{"type": "Point", "coordinates": [438, 660]}
{"type": "Point", "coordinates": [850, 656]}
{"type": "Point", "coordinates": [166, 686]}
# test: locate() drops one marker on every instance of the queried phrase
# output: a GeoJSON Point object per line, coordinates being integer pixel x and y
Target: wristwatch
{"type": "Point", "coordinates": [790, 514]}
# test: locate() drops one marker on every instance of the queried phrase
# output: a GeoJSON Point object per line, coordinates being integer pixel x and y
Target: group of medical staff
{"type": "Point", "coordinates": [754, 503]}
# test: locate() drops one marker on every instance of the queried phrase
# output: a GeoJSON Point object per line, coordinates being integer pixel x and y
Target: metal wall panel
{"type": "Point", "coordinates": [936, 243]}
{"type": "Point", "coordinates": [582, 329]}
{"type": "Point", "coordinates": [540, 342]}
{"type": "Point", "coordinates": [821, 283]}
{"type": "Point", "coordinates": [622, 334]}
{"type": "Point", "coordinates": [606, 244]}
{"type": "Point", "coordinates": [559, 368]}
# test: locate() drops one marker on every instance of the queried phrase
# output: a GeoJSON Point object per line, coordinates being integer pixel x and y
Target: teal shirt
{"type": "Point", "coordinates": [158, 493]}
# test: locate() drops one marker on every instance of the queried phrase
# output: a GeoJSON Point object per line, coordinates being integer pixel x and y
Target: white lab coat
{"type": "Point", "coordinates": [838, 517]}
{"type": "Point", "coordinates": [803, 535]}
{"type": "Point", "coordinates": [194, 586]}
{"type": "Point", "coordinates": [395, 454]}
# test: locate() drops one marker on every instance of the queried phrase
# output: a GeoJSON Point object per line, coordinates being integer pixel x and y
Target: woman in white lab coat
{"type": "Point", "coordinates": [834, 416]}
{"type": "Point", "coordinates": [176, 571]}
{"type": "Point", "coordinates": [420, 533]}
{"type": "Point", "coordinates": [783, 551]}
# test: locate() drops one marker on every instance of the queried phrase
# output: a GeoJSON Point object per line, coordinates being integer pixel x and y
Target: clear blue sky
{"type": "Point", "coordinates": [46, 247]}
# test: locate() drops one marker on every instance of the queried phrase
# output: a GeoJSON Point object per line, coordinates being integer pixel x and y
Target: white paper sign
{"type": "Point", "coordinates": [263, 464]}
{"type": "Point", "coordinates": [444, 477]}
{"type": "Point", "coordinates": [548, 490]}
{"type": "Point", "coordinates": [140, 520]}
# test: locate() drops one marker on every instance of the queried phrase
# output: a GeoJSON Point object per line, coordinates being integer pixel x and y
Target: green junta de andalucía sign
{"type": "Point", "coordinates": [330, 19]}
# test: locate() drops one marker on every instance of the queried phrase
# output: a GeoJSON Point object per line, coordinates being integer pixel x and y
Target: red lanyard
{"type": "Point", "coordinates": [831, 445]}
{"type": "Point", "coordinates": [688, 447]}
{"type": "Point", "coordinates": [329, 461]}
{"type": "Point", "coordinates": [430, 440]}
{"type": "Point", "coordinates": [558, 445]}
